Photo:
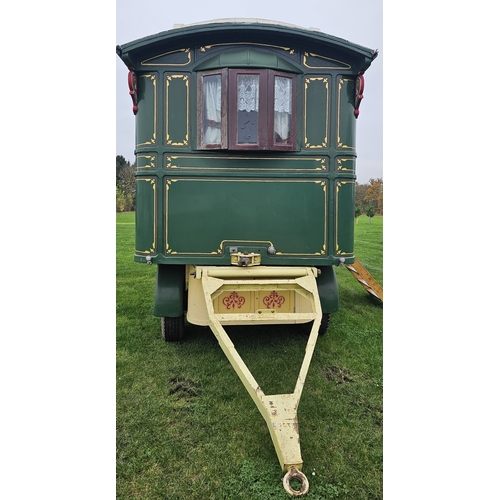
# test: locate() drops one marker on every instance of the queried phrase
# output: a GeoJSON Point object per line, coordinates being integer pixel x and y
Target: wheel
{"type": "Point", "coordinates": [325, 321]}
{"type": "Point", "coordinates": [323, 326]}
{"type": "Point", "coordinates": [172, 329]}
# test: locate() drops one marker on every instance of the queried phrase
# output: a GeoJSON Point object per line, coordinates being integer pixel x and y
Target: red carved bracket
{"type": "Point", "coordinates": [132, 85]}
{"type": "Point", "coordinates": [360, 87]}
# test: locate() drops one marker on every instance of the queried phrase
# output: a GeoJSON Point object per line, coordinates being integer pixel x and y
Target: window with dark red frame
{"type": "Point", "coordinates": [246, 109]}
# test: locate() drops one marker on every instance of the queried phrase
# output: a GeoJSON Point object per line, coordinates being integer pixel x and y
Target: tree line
{"type": "Point", "coordinates": [368, 197]}
{"type": "Point", "coordinates": [125, 185]}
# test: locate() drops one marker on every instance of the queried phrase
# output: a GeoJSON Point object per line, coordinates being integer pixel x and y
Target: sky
{"type": "Point", "coordinates": [359, 22]}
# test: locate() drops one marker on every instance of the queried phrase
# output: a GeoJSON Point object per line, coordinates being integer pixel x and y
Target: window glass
{"type": "Point", "coordinates": [248, 109]}
{"type": "Point", "coordinates": [212, 109]}
{"type": "Point", "coordinates": [282, 110]}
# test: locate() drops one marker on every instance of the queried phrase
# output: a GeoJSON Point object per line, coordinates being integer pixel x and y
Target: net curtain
{"type": "Point", "coordinates": [212, 93]}
{"type": "Point", "coordinates": [248, 100]}
{"type": "Point", "coordinates": [282, 108]}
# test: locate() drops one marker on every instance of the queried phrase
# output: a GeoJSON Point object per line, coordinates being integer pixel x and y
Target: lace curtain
{"type": "Point", "coordinates": [212, 95]}
{"type": "Point", "coordinates": [248, 101]}
{"type": "Point", "coordinates": [282, 108]}
{"type": "Point", "coordinates": [248, 93]}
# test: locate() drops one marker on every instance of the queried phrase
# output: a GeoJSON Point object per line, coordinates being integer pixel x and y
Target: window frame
{"type": "Point", "coordinates": [200, 118]}
{"type": "Point", "coordinates": [292, 146]}
{"type": "Point", "coordinates": [233, 109]}
{"type": "Point", "coordinates": [229, 110]}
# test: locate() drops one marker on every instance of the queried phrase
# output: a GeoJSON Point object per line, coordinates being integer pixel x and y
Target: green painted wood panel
{"type": "Point", "coordinates": [345, 165]}
{"type": "Point", "coordinates": [344, 215]}
{"type": "Point", "coordinates": [203, 215]}
{"type": "Point", "coordinates": [177, 110]}
{"type": "Point", "coordinates": [315, 61]}
{"type": "Point", "coordinates": [179, 57]}
{"type": "Point", "coordinates": [146, 222]}
{"type": "Point", "coordinates": [146, 161]}
{"type": "Point", "coordinates": [346, 122]}
{"type": "Point", "coordinates": [239, 163]}
{"type": "Point", "coordinates": [317, 112]}
{"type": "Point", "coordinates": [146, 117]}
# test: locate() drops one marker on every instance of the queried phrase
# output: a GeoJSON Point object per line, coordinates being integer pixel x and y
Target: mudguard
{"type": "Point", "coordinates": [169, 291]}
{"type": "Point", "coordinates": [328, 289]}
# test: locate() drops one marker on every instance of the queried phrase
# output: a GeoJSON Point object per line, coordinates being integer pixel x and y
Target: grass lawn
{"type": "Point", "coordinates": [186, 427]}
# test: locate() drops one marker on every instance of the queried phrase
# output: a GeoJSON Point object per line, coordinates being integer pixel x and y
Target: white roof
{"type": "Point", "coordinates": [244, 20]}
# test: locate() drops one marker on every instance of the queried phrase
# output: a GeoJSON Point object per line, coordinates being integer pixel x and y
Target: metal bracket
{"type": "Point", "coordinates": [245, 259]}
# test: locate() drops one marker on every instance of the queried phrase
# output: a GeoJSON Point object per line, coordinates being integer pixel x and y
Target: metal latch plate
{"type": "Point", "coordinates": [245, 259]}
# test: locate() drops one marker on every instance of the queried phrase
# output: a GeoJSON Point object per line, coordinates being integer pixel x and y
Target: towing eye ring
{"type": "Point", "coordinates": [297, 474]}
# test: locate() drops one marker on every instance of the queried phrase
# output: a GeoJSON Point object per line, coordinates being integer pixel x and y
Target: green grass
{"type": "Point", "coordinates": [186, 427]}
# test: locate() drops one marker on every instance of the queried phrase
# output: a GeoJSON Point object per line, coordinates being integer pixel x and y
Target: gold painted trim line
{"type": "Point", "coordinates": [151, 158]}
{"type": "Point", "coordinates": [152, 141]}
{"type": "Point", "coordinates": [338, 251]}
{"type": "Point", "coordinates": [307, 54]}
{"type": "Point", "coordinates": [152, 250]}
{"type": "Point", "coordinates": [187, 51]}
{"type": "Point", "coordinates": [339, 142]}
{"type": "Point", "coordinates": [324, 144]}
{"type": "Point", "coordinates": [323, 165]}
{"type": "Point", "coordinates": [207, 47]}
{"type": "Point", "coordinates": [169, 141]}
{"type": "Point", "coordinates": [341, 168]}
{"type": "Point", "coordinates": [219, 251]}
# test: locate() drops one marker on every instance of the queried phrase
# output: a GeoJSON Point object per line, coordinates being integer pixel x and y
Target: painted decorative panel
{"type": "Point", "coordinates": [346, 126]}
{"type": "Point", "coordinates": [238, 301]}
{"type": "Point", "coordinates": [345, 165]}
{"type": "Point", "coordinates": [146, 161]}
{"type": "Point", "coordinates": [146, 117]}
{"type": "Point", "coordinates": [206, 48]}
{"type": "Point", "coordinates": [316, 112]}
{"type": "Point", "coordinates": [180, 57]}
{"type": "Point", "coordinates": [202, 215]}
{"type": "Point", "coordinates": [233, 301]}
{"type": "Point", "coordinates": [316, 61]}
{"type": "Point", "coordinates": [146, 215]}
{"type": "Point", "coordinates": [239, 163]}
{"type": "Point", "coordinates": [344, 215]}
{"type": "Point", "coordinates": [177, 111]}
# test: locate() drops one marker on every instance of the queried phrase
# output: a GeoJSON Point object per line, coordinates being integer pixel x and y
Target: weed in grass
{"type": "Point", "coordinates": [337, 374]}
{"type": "Point", "coordinates": [182, 387]}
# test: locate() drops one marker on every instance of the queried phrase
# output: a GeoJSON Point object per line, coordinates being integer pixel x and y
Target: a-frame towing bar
{"type": "Point", "coordinates": [278, 410]}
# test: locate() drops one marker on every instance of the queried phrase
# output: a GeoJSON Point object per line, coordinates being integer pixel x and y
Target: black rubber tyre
{"type": "Point", "coordinates": [325, 321]}
{"type": "Point", "coordinates": [323, 326]}
{"type": "Point", "coordinates": [172, 329]}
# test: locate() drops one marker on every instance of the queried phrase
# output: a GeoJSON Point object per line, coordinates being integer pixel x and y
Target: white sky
{"type": "Point", "coordinates": [359, 22]}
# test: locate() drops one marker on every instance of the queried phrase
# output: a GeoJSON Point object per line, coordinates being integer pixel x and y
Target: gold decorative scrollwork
{"type": "Point", "coordinates": [207, 47]}
{"type": "Point", "coordinates": [153, 61]}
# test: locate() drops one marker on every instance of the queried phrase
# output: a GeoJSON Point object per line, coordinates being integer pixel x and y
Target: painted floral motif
{"type": "Point", "coordinates": [233, 300]}
{"type": "Point", "coordinates": [274, 300]}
